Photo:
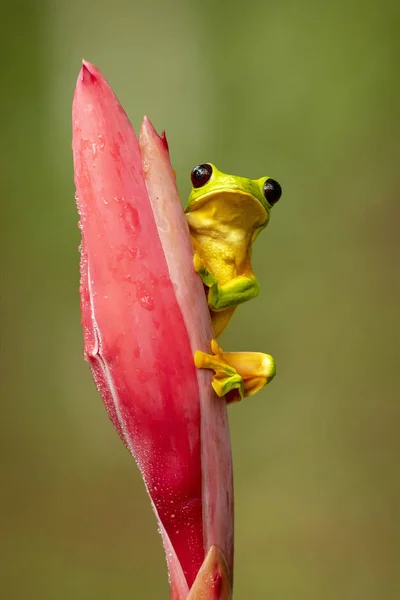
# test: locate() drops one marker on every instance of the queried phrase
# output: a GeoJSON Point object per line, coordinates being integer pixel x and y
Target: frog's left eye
{"type": "Point", "coordinates": [272, 191]}
{"type": "Point", "coordinates": [200, 175]}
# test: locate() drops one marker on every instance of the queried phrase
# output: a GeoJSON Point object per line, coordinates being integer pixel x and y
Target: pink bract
{"type": "Point", "coordinates": [144, 314]}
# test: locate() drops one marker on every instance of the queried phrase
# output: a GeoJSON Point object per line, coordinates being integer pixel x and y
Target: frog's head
{"type": "Point", "coordinates": [209, 185]}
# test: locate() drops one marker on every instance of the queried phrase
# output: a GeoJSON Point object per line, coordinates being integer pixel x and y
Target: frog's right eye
{"type": "Point", "coordinates": [200, 175]}
{"type": "Point", "coordinates": [272, 191]}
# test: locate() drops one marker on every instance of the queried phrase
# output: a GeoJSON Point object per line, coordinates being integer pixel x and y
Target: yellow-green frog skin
{"type": "Point", "coordinates": [225, 214]}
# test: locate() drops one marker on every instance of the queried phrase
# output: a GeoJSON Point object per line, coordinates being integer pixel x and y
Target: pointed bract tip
{"type": "Point", "coordinates": [164, 140]}
{"type": "Point", "coordinates": [88, 73]}
{"type": "Point", "coordinates": [148, 128]}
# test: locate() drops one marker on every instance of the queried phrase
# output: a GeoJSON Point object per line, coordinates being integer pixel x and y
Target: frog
{"type": "Point", "coordinates": [225, 215]}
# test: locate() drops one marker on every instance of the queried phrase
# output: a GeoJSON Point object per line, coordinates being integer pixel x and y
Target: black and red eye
{"type": "Point", "coordinates": [272, 191]}
{"type": "Point", "coordinates": [200, 175]}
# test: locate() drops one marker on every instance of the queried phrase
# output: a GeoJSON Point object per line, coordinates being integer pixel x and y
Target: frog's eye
{"type": "Point", "coordinates": [200, 175]}
{"type": "Point", "coordinates": [272, 191]}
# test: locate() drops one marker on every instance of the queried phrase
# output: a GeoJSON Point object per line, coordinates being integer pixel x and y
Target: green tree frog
{"type": "Point", "coordinates": [225, 214]}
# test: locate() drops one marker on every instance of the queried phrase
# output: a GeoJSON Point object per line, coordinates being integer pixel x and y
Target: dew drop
{"type": "Point", "coordinates": [147, 302]}
{"type": "Point", "coordinates": [144, 296]}
{"type": "Point", "coordinates": [102, 142]}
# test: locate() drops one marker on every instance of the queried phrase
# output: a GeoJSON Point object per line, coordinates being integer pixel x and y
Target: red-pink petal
{"type": "Point", "coordinates": [173, 230]}
{"type": "Point", "coordinates": [144, 314]}
{"type": "Point", "coordinates": [135, 336]}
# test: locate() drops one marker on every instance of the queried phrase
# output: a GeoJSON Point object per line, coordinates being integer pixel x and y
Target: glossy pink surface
{"type": "Point", "coordinates": [144, 314]}
{"type": "Point", "coordinates": [173, 230]}
{"type": "Point", "coordinates": [135, 336]}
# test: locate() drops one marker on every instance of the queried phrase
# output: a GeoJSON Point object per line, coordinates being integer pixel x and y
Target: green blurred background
{"type": "Point", "coordinates": [309, 94]}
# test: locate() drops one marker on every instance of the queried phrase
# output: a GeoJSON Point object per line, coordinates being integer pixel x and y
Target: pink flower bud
{"type": "Point", "coordinates": [144, 314]}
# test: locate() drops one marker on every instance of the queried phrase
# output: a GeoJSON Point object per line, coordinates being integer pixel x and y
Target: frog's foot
{"type": "Point", "coordinates": [226, 378]}
{"type": "Point", "coordinates": [207, 278]}
{"type": "Point", "coordinates": [237, 374]}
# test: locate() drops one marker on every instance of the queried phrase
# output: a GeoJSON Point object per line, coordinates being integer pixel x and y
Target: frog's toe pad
{"type": "Point", "coordinates": [197, 263]}
{"type": "Point", "coordinates": [224, 385]}
{"type": "Point", "coordinates": [225, 379]}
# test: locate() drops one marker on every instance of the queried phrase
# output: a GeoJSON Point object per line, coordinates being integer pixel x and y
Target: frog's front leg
{"type": "Point", "coordinates": [221, 296]}
{"type": "Point", "coordinates": [237, 374]}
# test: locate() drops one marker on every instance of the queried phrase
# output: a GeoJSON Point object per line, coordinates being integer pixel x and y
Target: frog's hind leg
{"type": "Point", "coordinates": [237, 374]}
{"type": "Point", "coordinates": [220, 319]}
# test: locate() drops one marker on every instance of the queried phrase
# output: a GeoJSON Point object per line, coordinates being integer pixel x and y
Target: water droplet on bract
{"type": "Point", "coordinates": [147, 302]}
{"type": "Point", "coordinates": [102, 142]}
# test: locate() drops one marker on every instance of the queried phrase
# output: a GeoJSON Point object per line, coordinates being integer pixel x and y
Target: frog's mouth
{"type": "Point", "coordinates": [233, 205]}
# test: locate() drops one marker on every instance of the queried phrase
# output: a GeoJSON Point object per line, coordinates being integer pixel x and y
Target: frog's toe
{"type": "Point", "coordinates": [205, 275]}
{"type": "Point", "coordinates": [197, 263]}
{"type": "Point", "coordinates": [231, 386]}
{"type": "Point", "coordinates": [225, 378]}
{"type": "Point", "coordinates": [254, 385]}
{"type": "Point", "coordinates": [237, 374]}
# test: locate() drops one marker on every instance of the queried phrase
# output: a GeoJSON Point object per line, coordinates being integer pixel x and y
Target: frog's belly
{"type": "Point", "coordinates": [218, 257]}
